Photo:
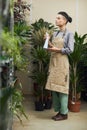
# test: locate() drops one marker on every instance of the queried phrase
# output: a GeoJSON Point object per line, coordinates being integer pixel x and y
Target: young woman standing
{"type": "Point", "coordinates": [62, 44]}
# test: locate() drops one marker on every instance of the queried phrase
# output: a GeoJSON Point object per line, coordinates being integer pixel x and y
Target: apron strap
{"type": "Point", "coordinates": [63, 33]}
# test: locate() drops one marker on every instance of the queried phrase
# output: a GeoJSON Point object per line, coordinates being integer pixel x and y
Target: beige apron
{"type": "Point", "coordinates": [58, 78]}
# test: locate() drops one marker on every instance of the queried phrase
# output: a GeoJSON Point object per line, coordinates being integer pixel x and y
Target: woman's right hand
{"type": "Point", "coordinates": [47, 36]}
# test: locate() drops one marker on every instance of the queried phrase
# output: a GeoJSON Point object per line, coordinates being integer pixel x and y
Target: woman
{"type": "Point", "coordinates": [58, 80]}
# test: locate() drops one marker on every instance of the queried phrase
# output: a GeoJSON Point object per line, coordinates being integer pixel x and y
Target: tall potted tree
{"type": "Point", "coordinates": [40, 56]}
{"type": "Point", "coordinates": [79, 55]}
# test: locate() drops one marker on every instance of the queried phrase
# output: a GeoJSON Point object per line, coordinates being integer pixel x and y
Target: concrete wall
{"type": "Point", "coordinates": [47, 9]}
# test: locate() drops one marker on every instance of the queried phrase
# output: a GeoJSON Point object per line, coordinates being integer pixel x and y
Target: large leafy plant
{"type": "Point", "coordinates": [40, 57]}
{"type": "Point", "coordinates": [12, 41]}
{"type": "Point", "coordinates": [76, 58]}
{"type": "Point", "coordinates": [37, 37]}
{"type": "Point", "coordinates": [40, 24]}
{"type": "Point", "coordinates": [21, 31]}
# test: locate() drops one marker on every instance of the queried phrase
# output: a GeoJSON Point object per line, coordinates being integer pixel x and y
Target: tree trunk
{"type": "Point", "coordinates": [75, 80]}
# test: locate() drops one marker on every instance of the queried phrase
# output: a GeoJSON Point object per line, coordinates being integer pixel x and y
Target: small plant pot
{"type": "Point", "coordinates": [74, 106]}
{"type": "Point", "coordinates": [39, 106]}
{"type": "Point", "coordinates": [48, 104]}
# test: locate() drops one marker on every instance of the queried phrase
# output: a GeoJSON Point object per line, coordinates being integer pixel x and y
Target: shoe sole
{"type": "Point", "coordinates": [60, 119]}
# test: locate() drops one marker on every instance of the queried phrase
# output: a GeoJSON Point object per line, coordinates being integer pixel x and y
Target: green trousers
{"type": "Point", "coordinates": [60, 102]}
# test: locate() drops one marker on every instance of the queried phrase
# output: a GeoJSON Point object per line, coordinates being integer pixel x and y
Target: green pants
{"type": "Point", "coordinates": [60, 102]}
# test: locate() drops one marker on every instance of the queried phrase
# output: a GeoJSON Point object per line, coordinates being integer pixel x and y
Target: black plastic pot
{"type": "Point", "coordinates": [39, 106]}
{"type": "Point", "coordinates": [48, 104]}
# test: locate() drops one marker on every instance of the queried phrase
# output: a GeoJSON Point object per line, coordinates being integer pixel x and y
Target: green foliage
{"type": "Point", "coordinates": [39, 77]}
{"type": "Point", "coordinates": [21, 31]}
{"type": "Point", "coordinates": [5, 94]}
{"type": "Point", "coordinates": [42, 24]}
{"type": "Point", "coordinates": [16, 105]}
{"type": "Point", "coordinates": [12, 43]}
{"type": "Point", "coordinates": [80, 49]}
{"type": "Point", "coordinates": [37, 37]}
{"type": "Point", "coordinates": [14, 46]}
{"type": "Point", "coordinates": [11, 48]}
{"type": "Point", "coordinates": [76, 58]}
{"type": "Point", "coordinates": [40, 56]}
{"type": "Point", "coordinates": [38, 29]}
{"type": "Point", "coordinates": [14, 94]}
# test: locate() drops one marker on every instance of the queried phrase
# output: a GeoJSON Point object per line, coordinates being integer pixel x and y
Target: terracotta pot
{"type": "Point", "coordinates": [74, 106]}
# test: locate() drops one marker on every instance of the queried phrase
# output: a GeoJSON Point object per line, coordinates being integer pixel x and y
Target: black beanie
{"type": "Point", "coordinates": [69, 19]}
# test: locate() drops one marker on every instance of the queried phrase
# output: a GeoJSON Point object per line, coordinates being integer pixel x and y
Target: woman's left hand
{"type": "Point", "coordinates": [54, 49]}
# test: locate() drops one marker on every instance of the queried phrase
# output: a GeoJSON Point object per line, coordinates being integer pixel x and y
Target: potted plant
{"type": "Point", "coordinates": [40, 57]}
{"type": "Point", "coordinates": [39, 75]}
{"type": "Point", "coordinates": [78, 56]}
{"type": "Point", "coordinates": [40, 78]}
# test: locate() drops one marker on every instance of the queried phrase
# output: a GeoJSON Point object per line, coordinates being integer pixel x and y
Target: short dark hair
{"type": "Point", "coordinates": [69, 19]}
